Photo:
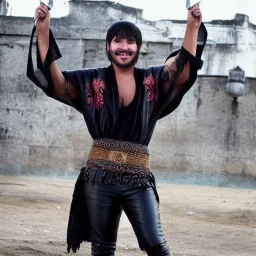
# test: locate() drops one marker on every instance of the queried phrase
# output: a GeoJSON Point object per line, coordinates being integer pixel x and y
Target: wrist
{"type": "Point", "coordinates": [191, 33]}
{"type": "Point", "coordinates": [192, 28]}
{"type": "Point", "coordinates": [42, 33]}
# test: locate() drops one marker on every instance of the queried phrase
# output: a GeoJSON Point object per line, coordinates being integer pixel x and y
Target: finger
{"type": "Point", "coordinates": [40, 13]}
{"type": "Point", "coordinates": [37, 14]}
{"type": "Point", "coordinates": [197, 13]}
{"type": "Point", "coordinates": [44, 8]}
{"type": "Point", "coordinates": [37, 9]}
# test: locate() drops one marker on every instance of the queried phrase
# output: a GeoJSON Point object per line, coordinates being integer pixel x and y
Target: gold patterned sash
{"type": "Point", "coordinates": [121, 156]}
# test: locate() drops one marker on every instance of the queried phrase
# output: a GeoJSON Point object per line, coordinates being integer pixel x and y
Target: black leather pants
{"type": "Point", "coordinates": [105, 203]}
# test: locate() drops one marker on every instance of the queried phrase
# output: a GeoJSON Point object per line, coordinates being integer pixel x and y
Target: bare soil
{"type": "Point", "coordinates": [197, 220]}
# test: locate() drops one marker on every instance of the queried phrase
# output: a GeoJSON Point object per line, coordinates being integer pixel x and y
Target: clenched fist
{"type": "Point", "coordinates": [194, 18]}
{"type": "Point", "coordinates": [42, 19]}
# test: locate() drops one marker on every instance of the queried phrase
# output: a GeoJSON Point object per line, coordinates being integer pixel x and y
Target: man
{"type": "Point", "coordinates": [121, 105]}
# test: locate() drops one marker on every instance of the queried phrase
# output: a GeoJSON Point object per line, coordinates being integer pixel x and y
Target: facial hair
{"type": "Point", "coordinates": [121, 65]}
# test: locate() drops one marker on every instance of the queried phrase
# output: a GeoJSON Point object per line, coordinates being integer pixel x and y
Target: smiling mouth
{"type": "Point", "coordinates": [124, 53]}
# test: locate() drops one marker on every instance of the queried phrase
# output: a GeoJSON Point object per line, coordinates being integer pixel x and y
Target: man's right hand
{"type": "Point", "coordinates": [43, 23]}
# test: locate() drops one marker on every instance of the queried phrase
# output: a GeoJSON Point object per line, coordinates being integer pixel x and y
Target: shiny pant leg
{"type": "Point", "coordinates": [104, 212]}
{"type": "Point", "coordinates": [142, 209]}
{"type": "Point", "coordinates": [105, 203]}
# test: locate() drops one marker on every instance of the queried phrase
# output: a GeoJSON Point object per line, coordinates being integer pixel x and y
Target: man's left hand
{"type": "Point", "coordinates": [194, 18]}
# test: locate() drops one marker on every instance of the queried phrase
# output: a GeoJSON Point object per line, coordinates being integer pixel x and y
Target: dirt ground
{"type": "Point", "coordinates": [197, 220]}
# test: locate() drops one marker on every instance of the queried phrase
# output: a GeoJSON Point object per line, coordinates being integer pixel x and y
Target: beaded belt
{"type": "Point", "coordinates": [119, 156]}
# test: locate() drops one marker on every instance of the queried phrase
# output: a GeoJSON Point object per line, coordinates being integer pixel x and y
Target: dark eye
{"type": "Point", "coordinates": [131, 41]}
{"type": "Point", "coordinates": [117, 40]}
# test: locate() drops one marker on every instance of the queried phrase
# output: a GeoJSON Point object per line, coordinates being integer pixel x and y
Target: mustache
{"type": "Point", "coordinates": [129, 52]}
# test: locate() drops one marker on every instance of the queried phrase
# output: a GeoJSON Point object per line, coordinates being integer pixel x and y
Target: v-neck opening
{"type": "Point", "coordinates": [117, 91]}
{"type": "Point", "coordinates": [125, 116]}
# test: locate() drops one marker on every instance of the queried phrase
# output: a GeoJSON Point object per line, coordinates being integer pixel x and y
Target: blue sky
{"type": "Point", "coordinates": [157, 9]}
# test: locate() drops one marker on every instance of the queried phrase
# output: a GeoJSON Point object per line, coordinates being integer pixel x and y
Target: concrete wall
{"type": "Point", "coordinates": [208, 133]}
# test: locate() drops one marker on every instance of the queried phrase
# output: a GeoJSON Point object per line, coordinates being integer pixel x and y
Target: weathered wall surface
{"type": "Point", "coordinates": [209, 132]}
{"type": "Point", "coordinates": [206, 134]}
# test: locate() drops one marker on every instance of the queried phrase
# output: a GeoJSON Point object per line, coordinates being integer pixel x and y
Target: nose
{"type": "Point", "coordinates": [124, 45]}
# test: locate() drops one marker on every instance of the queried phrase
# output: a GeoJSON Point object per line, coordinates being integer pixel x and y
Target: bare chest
{"type": "Point", "coordinates": [126, 90]}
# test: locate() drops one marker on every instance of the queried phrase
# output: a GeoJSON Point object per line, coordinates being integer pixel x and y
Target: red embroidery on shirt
{"type": "Point", "coordinates": [151, 88]}
{"type": "Point", "coordinates": [95, 93]}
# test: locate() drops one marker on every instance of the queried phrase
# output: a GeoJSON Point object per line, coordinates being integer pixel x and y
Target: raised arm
{"type": "Point", "coordinates": [189, 47]}
{"type": "Point", "coordinates": [61, 88]}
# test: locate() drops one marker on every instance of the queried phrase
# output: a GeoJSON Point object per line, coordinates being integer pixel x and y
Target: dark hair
{"type": "Point", "coordinates": [124, 29]}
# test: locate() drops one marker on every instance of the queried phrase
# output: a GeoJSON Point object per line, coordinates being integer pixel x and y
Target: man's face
{"type": "Point", "coordinates": [123, 52]}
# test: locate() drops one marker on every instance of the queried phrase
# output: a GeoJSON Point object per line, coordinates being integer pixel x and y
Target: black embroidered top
{"type": "Point", "coordinates": [98, 102]}
{"type": "Point", "coordinates": [98, 93]}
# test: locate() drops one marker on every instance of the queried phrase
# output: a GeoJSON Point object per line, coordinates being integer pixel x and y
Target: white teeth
{"type": "Point", "coordinates": [123, 54]}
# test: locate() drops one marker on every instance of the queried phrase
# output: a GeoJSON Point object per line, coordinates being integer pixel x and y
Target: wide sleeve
{"type": "Point", "coordinates": [41, 74]}
{"type": "Point", "coordinates": [183, 56]}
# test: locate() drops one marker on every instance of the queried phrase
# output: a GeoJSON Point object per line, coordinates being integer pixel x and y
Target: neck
{"type": "Point", "coordinates": [123, 71]}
